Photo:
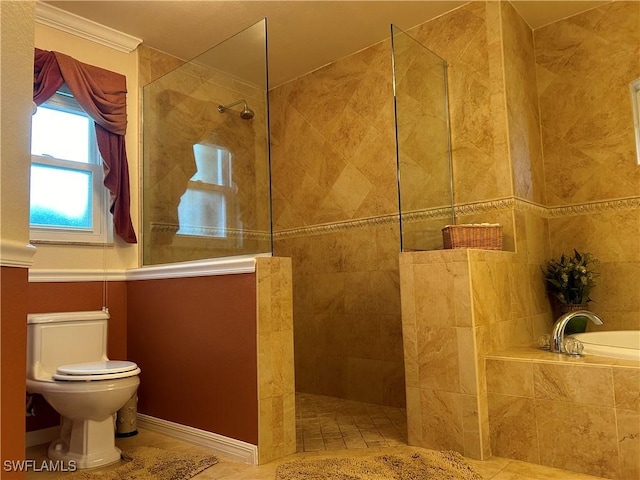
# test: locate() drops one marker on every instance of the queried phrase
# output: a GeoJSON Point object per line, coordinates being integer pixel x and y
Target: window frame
{"type": "Point", "coordinates": [227, 190]}
{"type": "Point", "coordinates": [102, 230]}
{"type": "Point", "coordinates": [635, 103]}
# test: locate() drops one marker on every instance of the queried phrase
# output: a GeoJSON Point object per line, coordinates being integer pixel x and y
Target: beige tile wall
{"type": "Point", "coordinates": [529, 406]}
{"type": "Point", "coordinates": [578, 415]}
{"type": "Point", "coordinates": [525, 146]}
{"type": "Point", "coordinates": [469, 40]}
{"type": "Point", "coordinates": [446, 406]}
{"type": "Point", "coordinates": [333, 161]}
{"type": "Point", "coordinates": [334, 201]}
{"type": "Point", "coordinates": [572, 415]}
{"type": "Point", "coordinates": [276, 392]}
{"type": "Point", "coordinates": [333, 148]}
{"type": "Point", "coordinates": [614, 238]}
{"type": "Point", "coordinates": [457, 307]}
{"type": "Point", "coordinates": [348, 338]}
{"type": "Point", "coordinates": [584, 65]}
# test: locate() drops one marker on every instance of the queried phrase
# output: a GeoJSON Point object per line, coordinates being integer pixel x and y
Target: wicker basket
{"type": "Point", "coordinates": [484, 236]}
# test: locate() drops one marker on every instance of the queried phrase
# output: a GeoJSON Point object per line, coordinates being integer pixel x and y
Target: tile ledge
{"type": "Point", "coordinates": [534, 354]}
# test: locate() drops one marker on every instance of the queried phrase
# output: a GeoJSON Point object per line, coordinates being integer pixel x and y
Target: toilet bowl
{"type": "Point", "coordinates": [68, 366]}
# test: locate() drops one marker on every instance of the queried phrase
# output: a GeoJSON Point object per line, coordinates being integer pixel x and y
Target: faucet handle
{"type": "Point", "coordinates": [544, 341]}
{"type": "Point", "coordinates": [573, 347]}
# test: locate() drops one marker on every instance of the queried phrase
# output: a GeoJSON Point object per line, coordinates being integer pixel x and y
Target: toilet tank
{"type": "Point", "coordinates": [55, 339]}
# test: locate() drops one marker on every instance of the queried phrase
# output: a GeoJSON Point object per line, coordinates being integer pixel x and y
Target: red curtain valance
{"type": "Point", "coordinates": [102, 94]}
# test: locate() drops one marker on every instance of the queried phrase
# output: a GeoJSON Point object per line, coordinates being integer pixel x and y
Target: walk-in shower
{"type": "Point", "coordinates": [206, 181]}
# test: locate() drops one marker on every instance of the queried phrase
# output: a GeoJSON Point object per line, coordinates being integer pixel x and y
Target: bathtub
{"type": "Point", "coordinates": [623, 344]}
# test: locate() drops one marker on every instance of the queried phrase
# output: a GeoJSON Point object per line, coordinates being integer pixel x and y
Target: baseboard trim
{"type": "Point", "coordinates": [45, 435]}
{"type": "Point", "coordinates": [229, 447]}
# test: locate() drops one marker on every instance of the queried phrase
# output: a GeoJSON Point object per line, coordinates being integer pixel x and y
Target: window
{"type": "Point", "coordinates": [207, 207]}
{"type": "Point", "coordinates": [68, 202]}
{"type": "Point", "coordinates": [635, 100]}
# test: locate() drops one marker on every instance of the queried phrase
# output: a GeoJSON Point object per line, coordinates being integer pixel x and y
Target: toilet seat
{"type": "Point", "coordinates": [92, 371]}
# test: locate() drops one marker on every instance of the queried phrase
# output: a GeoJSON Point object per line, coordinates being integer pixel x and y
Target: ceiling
{"type": "Point", "coordinates": [303, 35]}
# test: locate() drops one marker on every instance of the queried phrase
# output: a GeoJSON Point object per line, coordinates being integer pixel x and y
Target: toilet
{"type": "Point", "coordinates": [67, 364]}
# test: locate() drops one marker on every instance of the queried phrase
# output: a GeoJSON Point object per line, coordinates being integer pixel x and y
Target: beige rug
{"type": "Point", "coordinates": [149, 463]}
{"type": "Point", "coordinates": [429, 465]}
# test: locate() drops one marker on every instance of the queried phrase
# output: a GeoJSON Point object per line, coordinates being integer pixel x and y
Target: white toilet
{"type": "Point", "coordinates": [67, 364]}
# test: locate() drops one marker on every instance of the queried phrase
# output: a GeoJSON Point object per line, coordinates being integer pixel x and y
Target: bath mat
{"type": "Point", "coordinates": [429, 464]}
{"type": "Point", "coordinates": [150, 463]}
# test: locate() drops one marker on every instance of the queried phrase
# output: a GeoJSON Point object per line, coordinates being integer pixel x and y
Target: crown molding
{"type": "Point", "coordinates": [16, 254]}
{"type": "Point", "coordinates": [59, 19]}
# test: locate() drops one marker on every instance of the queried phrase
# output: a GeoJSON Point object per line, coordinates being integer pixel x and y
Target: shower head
{"type": "Point", "coordinates": [245, 114]}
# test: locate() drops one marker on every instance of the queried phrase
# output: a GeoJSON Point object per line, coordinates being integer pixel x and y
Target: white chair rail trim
{"type": "Point", "coordinates": [75, 275]}
{"type": "Point", "coordinates": [16, 254]}
{"type": "Point", "coordinates": [200, 268]}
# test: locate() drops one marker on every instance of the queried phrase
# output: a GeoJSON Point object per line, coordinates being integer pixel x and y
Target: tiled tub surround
{"type": "Point", "coordinates": [459, 307]}
{"type": "Point", "coordinates": [580, 414]}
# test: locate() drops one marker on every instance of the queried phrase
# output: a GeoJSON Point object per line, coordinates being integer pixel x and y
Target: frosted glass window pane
{"type": "Point", "coordinates": [202, 213]}
{"type": "Point", "coordinates": [61, 197]}
{"type": "Point", "coordinates": [60, 134]}
{"type": "Point", "coordinates": [213, 164]}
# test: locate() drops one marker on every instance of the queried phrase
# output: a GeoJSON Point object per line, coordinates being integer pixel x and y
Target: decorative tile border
{"type": "Point", "coordinates": [437, 213]}
{"type": "Point", "coordinates": [218, 233]}
{"type": "Point", "coordinates": [630, 203]}
{"type": "Point", "coordinates": [336, 227]}
{"type": "Point", "coordinates": [442, 213]}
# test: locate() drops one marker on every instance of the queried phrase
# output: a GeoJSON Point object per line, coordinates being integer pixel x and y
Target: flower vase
{"type": "Point", "coordinates": [576, 324]}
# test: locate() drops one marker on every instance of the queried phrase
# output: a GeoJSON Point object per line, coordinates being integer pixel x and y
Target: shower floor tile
{"type": "Point", "coordinates": [329, 423]}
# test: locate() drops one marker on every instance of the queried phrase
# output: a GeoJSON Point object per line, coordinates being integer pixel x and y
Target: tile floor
{"type": "Point", "coordinates": [383, 432]}
{"type": "Point", "coordinates": [329, 423]}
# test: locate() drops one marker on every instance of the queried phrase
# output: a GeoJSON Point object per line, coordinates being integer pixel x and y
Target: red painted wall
{"type": "Point", "coordinates": [75, 297]}
{"type": "Point", "coordinates": [195, 341]}
{"type": "Point", "coordinates": [13, 352]}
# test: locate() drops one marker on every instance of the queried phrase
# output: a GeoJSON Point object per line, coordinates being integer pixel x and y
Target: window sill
{"type": "Point", "coordinates": [72, 243]}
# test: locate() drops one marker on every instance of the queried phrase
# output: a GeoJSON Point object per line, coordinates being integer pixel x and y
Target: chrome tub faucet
{"type": "Point", "coordinates": [557, 334]}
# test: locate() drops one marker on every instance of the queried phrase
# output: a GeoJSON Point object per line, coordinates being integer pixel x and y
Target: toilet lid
{"type": "Point", "coordinates": [107, 370]}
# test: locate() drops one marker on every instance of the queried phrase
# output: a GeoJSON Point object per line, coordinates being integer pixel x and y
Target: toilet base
{"type": "Point", "coordinates": [87, 443]}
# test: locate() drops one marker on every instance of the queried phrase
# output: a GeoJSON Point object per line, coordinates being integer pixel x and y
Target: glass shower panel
{"type": "Point", "coordinates": [422, 142]}
{"type": "Point", "coordinates": [206, 183]}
